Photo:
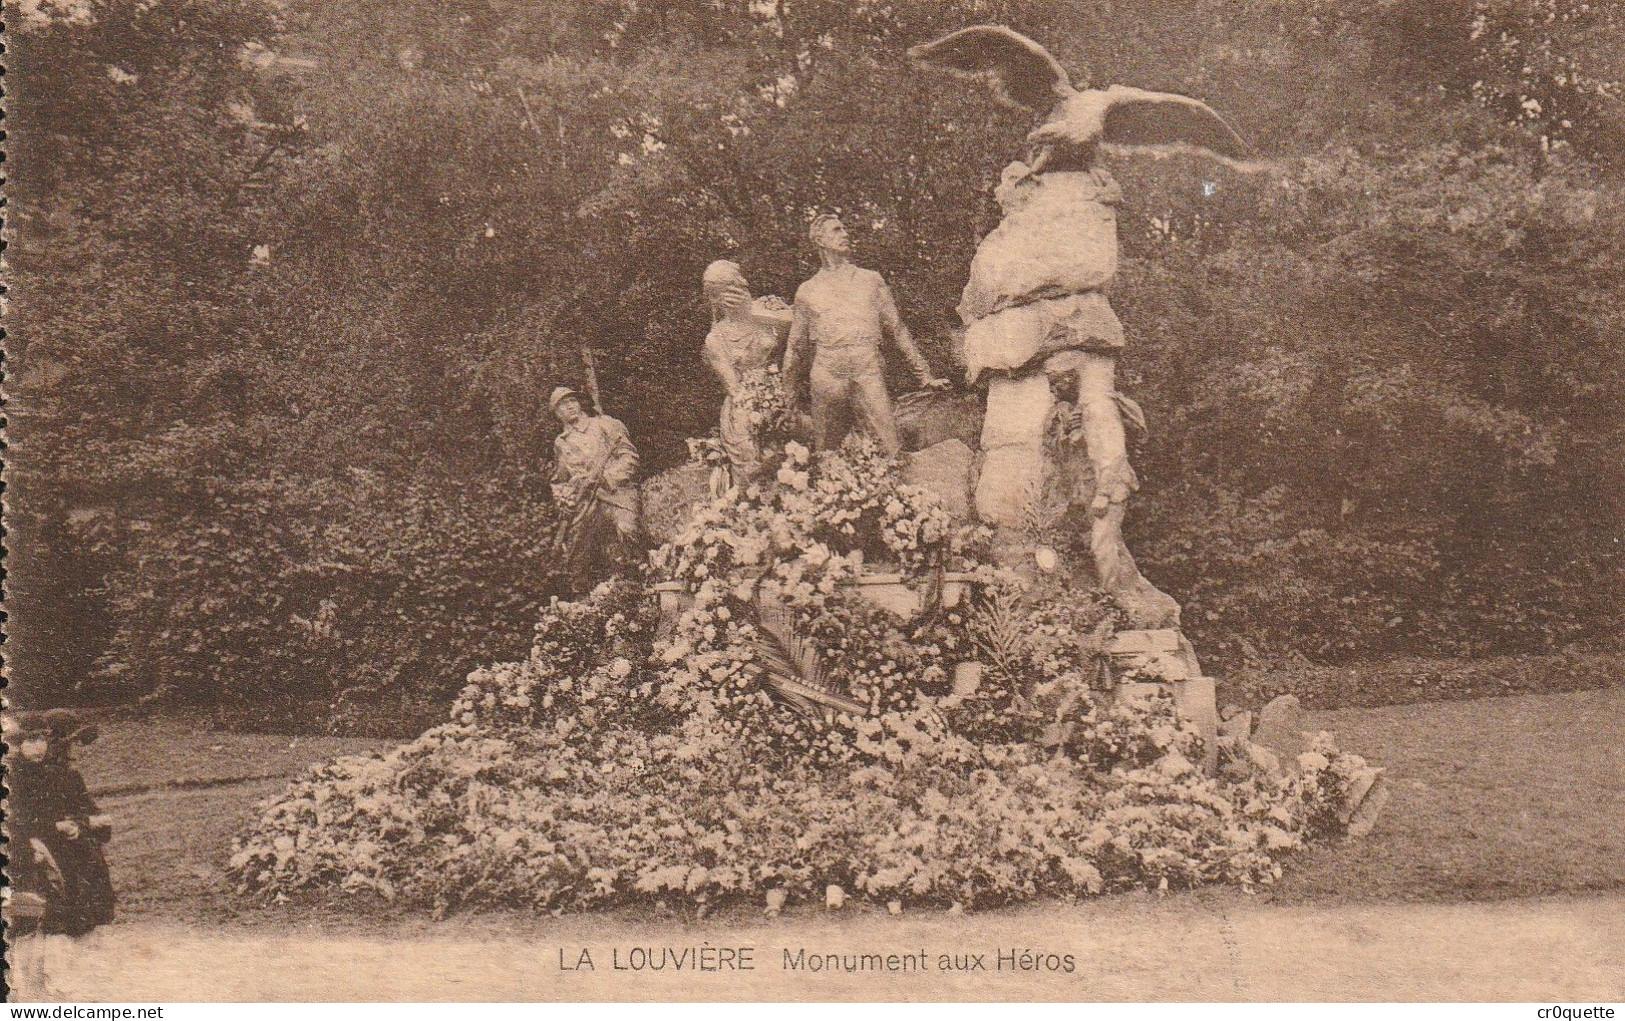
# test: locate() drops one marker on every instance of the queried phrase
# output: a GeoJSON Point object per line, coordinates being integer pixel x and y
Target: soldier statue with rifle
{"type": "Point", "coordinates": [594, 468]}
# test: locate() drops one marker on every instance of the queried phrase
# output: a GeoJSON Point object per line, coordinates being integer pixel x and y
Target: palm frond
{"type": "Point", "coordinates": [1133, 414]}
{"type": "Point", "coordinates": [790, 665]}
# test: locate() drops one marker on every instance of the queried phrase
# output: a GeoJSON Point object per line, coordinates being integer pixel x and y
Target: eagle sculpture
{"type": "Point", "coordinates": [1076, 122]}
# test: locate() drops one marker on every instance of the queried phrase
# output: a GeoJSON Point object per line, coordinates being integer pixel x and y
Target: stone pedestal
{"type": "Point", "coordinates": [1012, 475]}
{"type": "Point", "coordinates": [1166, 655]}
{"type": "Point", "coordinates": [944, 470]}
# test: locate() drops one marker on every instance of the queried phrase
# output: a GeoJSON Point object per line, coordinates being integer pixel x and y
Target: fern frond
{"type": "Point", "coordinates": [1040, 522]}
{"type": "Point", "coordinates": [998, 629]}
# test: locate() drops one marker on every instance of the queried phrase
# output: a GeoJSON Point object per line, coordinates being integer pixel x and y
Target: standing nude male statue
{"type": "Point", "coordinates": [842, 314]}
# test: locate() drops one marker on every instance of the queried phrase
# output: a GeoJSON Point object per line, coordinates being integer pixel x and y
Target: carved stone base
{"type": "Point", "coordinates": [1162, 659]}
{"type": "Point", "coordinates": [1012, 475]}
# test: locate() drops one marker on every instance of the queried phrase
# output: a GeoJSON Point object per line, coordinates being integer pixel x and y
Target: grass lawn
{"type": "Point", "coordinates": [1492, 799]}
{"type": "Point", "coordinates": [1500, 797]}
{"type": "Point", "coordinates": [1402, 680]}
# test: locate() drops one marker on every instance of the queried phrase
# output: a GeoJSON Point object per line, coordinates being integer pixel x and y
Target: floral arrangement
{"type": "Point", "coordinates": [838, 505]}
{"type": "Point", "coordinates": [773, 419]}
{"type": "Point", "coordinates": [771, 413]}
{"type": "Point", "coordinates": [783, 735]}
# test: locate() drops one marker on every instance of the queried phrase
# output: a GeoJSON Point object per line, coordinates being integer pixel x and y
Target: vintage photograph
{"type": "Point", "coordinates": [814, 500]}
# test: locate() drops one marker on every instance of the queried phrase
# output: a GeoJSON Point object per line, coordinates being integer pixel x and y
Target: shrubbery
{"type": "Point", "coordinates": [299, 599]}
{"type": "Point", "coordinates": [1383, 379]}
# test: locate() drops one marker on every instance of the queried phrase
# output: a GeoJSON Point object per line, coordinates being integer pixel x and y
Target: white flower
{"type": "Point", "coordinates": [1312, 761]}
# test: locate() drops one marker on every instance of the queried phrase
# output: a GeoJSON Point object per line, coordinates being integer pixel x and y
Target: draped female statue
{"type": "Point", "coordinates": [745, 337]}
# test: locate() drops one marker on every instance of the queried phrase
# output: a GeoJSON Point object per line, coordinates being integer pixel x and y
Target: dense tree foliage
{"type": "Point", "coordinates": [291, 283]}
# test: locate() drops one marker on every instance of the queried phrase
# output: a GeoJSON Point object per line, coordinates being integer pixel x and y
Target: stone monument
{"type": "Point", "coordinates": [1039, 329]}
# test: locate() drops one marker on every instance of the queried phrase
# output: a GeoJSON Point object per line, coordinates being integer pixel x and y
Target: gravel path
{"type": "Point", "coordinates": [1132, 948]}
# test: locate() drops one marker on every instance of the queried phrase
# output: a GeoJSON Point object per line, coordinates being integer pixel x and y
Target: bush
{"type": "Point", "coordinates": [1396, 452]}
{"type": "Point", "coordinates": [349, 601]}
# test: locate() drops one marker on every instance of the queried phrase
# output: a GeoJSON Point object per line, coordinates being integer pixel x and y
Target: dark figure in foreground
{"type": "Point", "coordinates": [58, 871]}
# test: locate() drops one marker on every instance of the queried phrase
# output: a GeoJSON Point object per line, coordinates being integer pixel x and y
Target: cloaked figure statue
{"type": "Point", "coordinates": [1035, 308]}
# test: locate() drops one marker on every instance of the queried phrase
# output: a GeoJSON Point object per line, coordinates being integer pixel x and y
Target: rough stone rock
{"type": "Point", "coordinates": [944, 470]}
{"type": "Point", "coordinates": [926, 418]}
{"type": "Point", "coordinates": [1366, 801]}
{"type": "Point", "coordinates": [1058, 236]}
{"type": "Point", "coordinates": [1013, 338]}
{"type": "Point", "coordinates": [1263, 758]}
{"type": "Point", "coordinates": [1280, 727]}
{"type": "Point", "coordinates": [1237, 725]}
{"type": "Point", "coordinates": [1012, 475]}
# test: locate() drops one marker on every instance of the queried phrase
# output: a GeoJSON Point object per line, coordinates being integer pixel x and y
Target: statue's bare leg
{"type": "Point", "coordinates": [1096, 373]}
{"type": "Point", "coordinates": [1115, 570]}
{"type": "Point", "coordinates": [829, 396]}
{"type": "Point", "coordinates": [1103, 430]}
{"type": "Point", "coordinates": [875, 411]}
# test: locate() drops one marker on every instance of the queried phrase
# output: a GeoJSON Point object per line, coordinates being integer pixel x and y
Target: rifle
{"type": "Point", "coordinates": [589, 489]}
{"type": "Point", "coordinates": [592, 379]}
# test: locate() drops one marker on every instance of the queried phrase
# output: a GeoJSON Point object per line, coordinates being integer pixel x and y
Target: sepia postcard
{"type": "Point", "coordinates": [812, 501]}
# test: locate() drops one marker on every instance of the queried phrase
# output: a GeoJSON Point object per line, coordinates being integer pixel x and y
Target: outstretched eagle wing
{"type": "Point", "coordinates": [1135, 118]}
{"type": "Point", "coordinates": [1021, 71]}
